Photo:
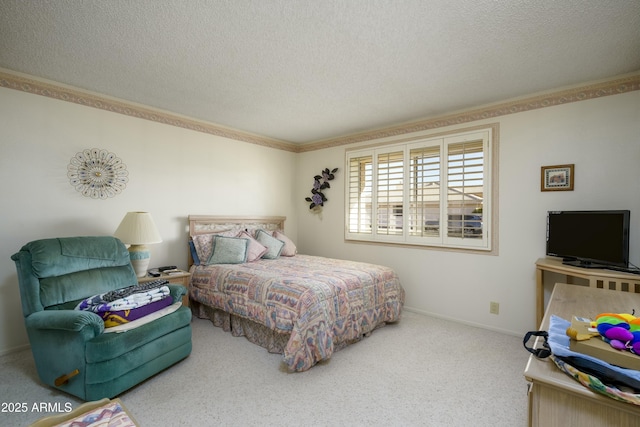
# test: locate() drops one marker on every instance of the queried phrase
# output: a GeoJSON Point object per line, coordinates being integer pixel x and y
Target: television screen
{"type": "Point", "coordinates": [589, 238]}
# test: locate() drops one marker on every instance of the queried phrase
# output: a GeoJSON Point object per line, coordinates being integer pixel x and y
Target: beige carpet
{"type": "Point", "coordinates": [421, 371]}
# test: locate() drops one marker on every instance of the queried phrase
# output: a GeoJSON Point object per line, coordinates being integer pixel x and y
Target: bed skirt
{"type": "Point", "coordinates": [256, 333]}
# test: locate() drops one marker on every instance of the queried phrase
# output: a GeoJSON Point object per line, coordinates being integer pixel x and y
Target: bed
{"type": "Point", "coordinates": [303, 307]}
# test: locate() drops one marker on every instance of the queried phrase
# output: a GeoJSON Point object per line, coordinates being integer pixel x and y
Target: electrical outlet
{"type": "Point", "coordinates": [494, 307]}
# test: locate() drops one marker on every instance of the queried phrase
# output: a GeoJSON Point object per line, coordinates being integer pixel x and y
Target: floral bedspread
{"type": "Point", "coordinates": [323, 303]}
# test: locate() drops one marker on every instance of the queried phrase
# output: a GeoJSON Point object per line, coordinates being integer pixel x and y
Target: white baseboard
{"type": "Point", "coordinates": [14, 350]}
{"type": "Point", "coordinates": [454, 319]}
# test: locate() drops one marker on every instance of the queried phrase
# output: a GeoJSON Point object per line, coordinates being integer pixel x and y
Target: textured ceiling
{"type": "Point", "coordinates": [304, 71]}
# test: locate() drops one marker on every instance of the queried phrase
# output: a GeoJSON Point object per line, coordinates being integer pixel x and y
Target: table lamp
{"type": "Point", "coordinates": [137, 229]}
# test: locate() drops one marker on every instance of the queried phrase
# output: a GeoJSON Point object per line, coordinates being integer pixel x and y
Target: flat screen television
{"type": "Point", "coordinates": [590, 239]}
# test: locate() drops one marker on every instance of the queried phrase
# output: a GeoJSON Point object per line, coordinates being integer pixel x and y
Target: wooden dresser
{"type": "Point", "coordinates": [555, 399]}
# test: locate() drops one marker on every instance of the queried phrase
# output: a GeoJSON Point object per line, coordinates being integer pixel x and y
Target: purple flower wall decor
{"type": "Point", "coordinates": [320, 183]}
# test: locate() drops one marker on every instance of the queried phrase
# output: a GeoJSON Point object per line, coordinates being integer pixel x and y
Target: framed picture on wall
{"type": "Point", "coordinates": [557, 178]}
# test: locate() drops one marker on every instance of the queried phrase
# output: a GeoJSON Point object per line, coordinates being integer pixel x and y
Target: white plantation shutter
{"type": "Point", "coordinates": [465, 189]}
{"type": "Point", "coordinates": [430, 191]}
{"type": "Point", "coordinates": [424, 191]}
{"type": "Point", "coordinates": [389, 193]}
{"type": "Point", "coordinates": [359, 218]}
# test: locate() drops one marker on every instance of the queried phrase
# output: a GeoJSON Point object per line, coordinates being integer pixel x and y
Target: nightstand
{"type": "Point", "coordinates": [181, 278]}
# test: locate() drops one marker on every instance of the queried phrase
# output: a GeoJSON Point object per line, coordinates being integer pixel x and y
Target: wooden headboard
{"type": "Point", "coordinates": [206, 224]}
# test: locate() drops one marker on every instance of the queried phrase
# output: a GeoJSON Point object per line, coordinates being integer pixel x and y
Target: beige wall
{"type": "Point", "coordinates": [176, 172]}
{"type": "Point", "coordinates": [173, 172]}
{"type": "Point", "coordinates": [600, 136]}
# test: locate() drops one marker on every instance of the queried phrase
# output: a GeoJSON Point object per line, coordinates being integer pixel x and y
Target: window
{"type": "Point", "coordinates": [432, 191]}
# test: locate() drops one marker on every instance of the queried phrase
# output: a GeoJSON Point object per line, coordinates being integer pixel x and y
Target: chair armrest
{"type": "Point", "coordinates": [66, 320]}
{"type": "Point", "coordinates": [58, 341]}
{"type": "Point", "coordinates": [177, 291]}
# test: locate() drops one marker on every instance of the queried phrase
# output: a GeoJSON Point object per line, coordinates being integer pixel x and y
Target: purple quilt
{"type": "Point", "coordinates": [120, 317]}
{"type": "Point", "coordinates": [324, 304]}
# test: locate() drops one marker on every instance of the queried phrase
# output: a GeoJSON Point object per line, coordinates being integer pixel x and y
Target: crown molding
{"type": "Point", "coordinates": [36, 86]}
{"type": "Point", "coordinates": [615, 86]}
{"type": "Point", "coordinates": [619, 85]}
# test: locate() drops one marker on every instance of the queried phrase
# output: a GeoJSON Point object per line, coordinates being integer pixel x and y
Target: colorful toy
{"type": "Point", "coordinates": [620, 330]}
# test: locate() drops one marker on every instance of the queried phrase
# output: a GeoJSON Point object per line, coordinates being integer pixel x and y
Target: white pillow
{"type": "Point", "coordinates": [289, 248]}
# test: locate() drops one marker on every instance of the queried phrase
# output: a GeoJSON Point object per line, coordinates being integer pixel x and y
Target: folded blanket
{"type": "Point", "coordinates": [144, 319]}
{"type": "Point", "coordinates": [97, 304]}
{"type": "Point", "coordinates": [121, 317]}
{"type": "Point", "coordinates": [129, 290]}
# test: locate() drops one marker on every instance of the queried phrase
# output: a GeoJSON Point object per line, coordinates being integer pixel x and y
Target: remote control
{"type": "Point", "coordinates": [167, 267]}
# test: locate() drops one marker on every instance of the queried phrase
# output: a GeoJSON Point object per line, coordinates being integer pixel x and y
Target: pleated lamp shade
{"type": "Point", "coordinates": [138, 230]}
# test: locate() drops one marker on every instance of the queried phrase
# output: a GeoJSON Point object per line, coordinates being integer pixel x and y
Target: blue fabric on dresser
{"type": "Point", "coordinates": [54, 274]}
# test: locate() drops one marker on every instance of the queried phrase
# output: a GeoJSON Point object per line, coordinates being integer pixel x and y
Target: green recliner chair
{"type": "Point", "coordinates": [71, 351]}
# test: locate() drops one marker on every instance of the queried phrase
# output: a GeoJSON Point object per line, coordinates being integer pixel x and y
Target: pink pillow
{"type": "Point", "coordinates": [289, 248]}
{"type": "Point", "coordinates": [256, 249]}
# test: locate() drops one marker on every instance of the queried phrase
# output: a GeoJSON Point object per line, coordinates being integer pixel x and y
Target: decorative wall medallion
{"type": "Point", "coordinates": [97, 173]}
